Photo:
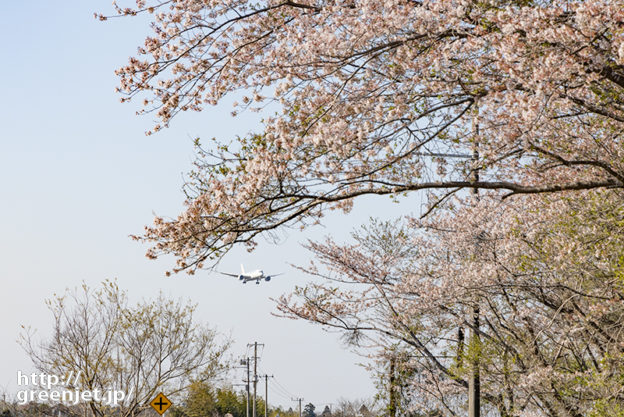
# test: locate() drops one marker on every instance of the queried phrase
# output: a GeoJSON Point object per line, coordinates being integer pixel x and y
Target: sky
{"type": "Point", "coordinates": [78, 176]}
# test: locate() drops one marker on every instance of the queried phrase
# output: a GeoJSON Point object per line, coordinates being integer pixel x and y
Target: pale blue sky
{"type": "Point", "coordinates": [78, 176]}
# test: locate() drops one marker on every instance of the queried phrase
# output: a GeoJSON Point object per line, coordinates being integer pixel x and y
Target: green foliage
{"type": "Point", "coordinates": [576, 258]}
{"type": "Point", "coordinates": [607, 408]}
{"type": "Point", "coordinates": [205, 400]}
{"type": "Point", "coordinates": [308, 410]}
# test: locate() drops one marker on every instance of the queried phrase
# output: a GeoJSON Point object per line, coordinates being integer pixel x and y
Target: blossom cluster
{"type": "Point", "coordinates": [379, 97]}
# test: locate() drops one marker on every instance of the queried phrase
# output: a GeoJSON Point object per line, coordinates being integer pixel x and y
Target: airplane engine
{"type": "Point", "coordinates": [241, 277]}
{"type": "Point", "coordinates": [267, 279]}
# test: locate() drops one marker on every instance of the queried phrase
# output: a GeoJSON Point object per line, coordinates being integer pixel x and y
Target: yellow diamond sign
{"type": "Point", "coordinates": [160, 403]}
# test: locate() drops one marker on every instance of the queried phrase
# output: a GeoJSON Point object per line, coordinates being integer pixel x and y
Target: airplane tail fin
{"type": "Point", "coordinates": [242, 269]}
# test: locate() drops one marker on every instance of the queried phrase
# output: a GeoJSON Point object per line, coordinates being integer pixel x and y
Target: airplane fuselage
{"type": "Point", "coordinates": [257, 275]}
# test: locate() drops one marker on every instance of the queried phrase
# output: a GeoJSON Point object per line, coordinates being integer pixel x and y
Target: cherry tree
{"type": "Point", "coordinates": [550, 292]}
{"type": "Point", "coordinates": [378, 97]}
{"type": "Point", "coordinates": [393, 96]}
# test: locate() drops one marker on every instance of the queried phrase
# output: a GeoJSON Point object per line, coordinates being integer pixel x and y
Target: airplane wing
{"type": "Point", "coordinates": [230, 275]}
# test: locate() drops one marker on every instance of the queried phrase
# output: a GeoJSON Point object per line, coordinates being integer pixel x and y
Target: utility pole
{"type": "Point", "coordinates": [266, 394]}
{"type": "Point", "coordinates": [392, 406]}
{"type": "Point", "coordinates": [255, 380]}
{"type": "Point", "coordinates": [474, 381]}
{"type": "Point", "coordinates": [246, 363]}
{"type": "Point", "coordinates": [255, 376]}
{"type": "Point", "coordinates": [248, 381]}
{"type": "Point", "coordinates": [298, 399]}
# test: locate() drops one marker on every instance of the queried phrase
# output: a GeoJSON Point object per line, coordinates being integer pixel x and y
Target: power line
{"type": "Point", "coordinates": [281, 392]}
{"type": "Point", "coordinates": [281, 395]}
{"type": "Point", "coordinates": [290, 394]}
{"type": "Point", "coordinates": [279, 388]}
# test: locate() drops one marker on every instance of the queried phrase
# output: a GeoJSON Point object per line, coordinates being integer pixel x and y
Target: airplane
{"type": "Point", "coordinates": [257, 275]}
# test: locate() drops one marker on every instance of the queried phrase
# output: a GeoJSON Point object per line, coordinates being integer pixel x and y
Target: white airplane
{"type": "Point", "coordinates": [257, 275]}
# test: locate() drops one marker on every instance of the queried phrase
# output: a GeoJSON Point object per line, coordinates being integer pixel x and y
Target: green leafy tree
{"type": "Point", "coordinates": [201, 400]}
{"type": "Point", "coordinates": [231, 402]}
{"type": "Point", "coordinates": [308, 410]}
{"type": "Point", "coordinates": [205, 399]}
